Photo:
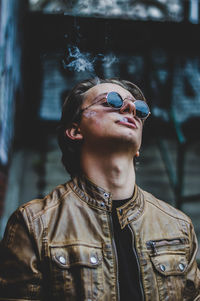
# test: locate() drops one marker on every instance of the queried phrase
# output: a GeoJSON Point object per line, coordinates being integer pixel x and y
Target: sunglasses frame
{"type": "Point", "coordinates": [105, 96]}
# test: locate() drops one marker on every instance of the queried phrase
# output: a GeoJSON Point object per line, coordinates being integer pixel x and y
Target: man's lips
{"type": "Point", "coordinates": [128, 121]}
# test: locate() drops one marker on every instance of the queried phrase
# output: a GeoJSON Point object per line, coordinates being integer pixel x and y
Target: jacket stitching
{"type": "Point", "coordinates": [85, 202]}
{"type": "Point", "coordinates": [176, 217]}
{"type": "Point", "coordinates": [43, 211]}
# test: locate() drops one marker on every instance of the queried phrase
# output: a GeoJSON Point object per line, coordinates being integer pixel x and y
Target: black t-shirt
{"type": "Point", "coordinates": [128, 274]}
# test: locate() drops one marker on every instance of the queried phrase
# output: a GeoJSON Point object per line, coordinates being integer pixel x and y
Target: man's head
{"type": "Point", "coordinates": [82, 111]}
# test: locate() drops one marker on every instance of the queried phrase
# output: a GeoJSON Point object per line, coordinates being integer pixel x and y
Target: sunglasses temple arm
{"type": "Point", "coordinates": [93, 104]}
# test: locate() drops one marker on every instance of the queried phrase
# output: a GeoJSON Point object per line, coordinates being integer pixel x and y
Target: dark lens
{"type": "Point", "coordinates": [142, 109]}
{"type": "Point", "coordinates": [114, 100]}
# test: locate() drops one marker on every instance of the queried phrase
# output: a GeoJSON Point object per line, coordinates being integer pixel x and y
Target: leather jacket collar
{"type": "Point", "coordinates": [97, 197]}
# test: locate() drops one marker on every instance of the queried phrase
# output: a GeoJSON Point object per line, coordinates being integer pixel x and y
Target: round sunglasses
{"type": "Point", "coordinates": [115, 101]}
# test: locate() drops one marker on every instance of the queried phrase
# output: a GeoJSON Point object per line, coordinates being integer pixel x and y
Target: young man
{"type": "Point", "coordinates": [99, 236]}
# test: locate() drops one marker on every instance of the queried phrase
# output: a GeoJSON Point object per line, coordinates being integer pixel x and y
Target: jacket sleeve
{"type": "Point", "coordinates": [20, 274]}
{"type": "Point", "coordinates": [192, 288]}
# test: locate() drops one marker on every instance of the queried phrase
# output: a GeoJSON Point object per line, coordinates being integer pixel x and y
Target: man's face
{"type": "Point", "coordinates": [102, 124]}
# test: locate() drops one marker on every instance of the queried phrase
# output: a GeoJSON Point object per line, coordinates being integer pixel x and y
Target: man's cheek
{"type": "Point", "coordinates": [89, 114]}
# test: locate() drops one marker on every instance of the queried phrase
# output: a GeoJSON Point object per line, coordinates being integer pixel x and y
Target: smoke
{"type": "Point", "coordinates": [109, 59]}
{"type": "Point", "coordinates": [76, 60]}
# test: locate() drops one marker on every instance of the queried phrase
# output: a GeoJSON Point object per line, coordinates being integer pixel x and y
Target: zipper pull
{"type": "Point", "coordinates": [152, 244]}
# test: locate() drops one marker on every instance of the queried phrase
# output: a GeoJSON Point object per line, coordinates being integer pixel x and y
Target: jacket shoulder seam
{"type": "Point", "coordinates": [30, 212]}
{"type": "Point", "coordinates": [186, 219]}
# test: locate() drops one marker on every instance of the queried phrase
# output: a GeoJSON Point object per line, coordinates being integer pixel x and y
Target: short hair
{"type": "Point", "coordinates": [71, 112]}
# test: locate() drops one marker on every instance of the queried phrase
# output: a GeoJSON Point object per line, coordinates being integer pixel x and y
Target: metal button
{"type": "Point", "coordinates": [102, 204]}
{"type": "Point", "coordinates": [162, 267]}
{"type": "Point", "coordinates": [181, 266]}
{"type": "Point", "coordinates": [93, 260]}
{"type": "Point", "coordinates": [106, 195]}
{"type": "Point", "coordinates": [62, 259]}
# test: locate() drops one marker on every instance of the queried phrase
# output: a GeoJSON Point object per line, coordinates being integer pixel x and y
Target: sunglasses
{"type": "Point", "coordinates": [114, 100]}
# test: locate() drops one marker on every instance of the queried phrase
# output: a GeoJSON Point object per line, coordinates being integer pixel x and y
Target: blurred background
{"type": "Point", "coordinates": [47, 46]}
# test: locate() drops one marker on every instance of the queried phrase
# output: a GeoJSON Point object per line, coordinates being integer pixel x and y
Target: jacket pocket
{"type": "Point", "coordinates": [169, 263]}
{"type": "Point", "coordinates": [161, 246]}
{"type": "Point", "coordinates": [77, 272]}
{"type": "Point", "coordinates": [170, 270]}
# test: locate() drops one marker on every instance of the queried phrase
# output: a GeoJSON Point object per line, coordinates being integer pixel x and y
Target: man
{"type": "Point", "coordinates": [99, 236]}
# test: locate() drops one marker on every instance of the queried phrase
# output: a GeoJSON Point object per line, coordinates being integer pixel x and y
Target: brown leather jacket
{"type": "Point", "coordinates": [62, 248]}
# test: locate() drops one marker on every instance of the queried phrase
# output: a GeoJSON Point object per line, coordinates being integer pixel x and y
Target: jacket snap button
{"type": "Point", "coordinates": [62, 259]}
{"type": "Point", "coordinates": [181, 266]}
{"type": "Point", "coordinates": [106, 195]}
{"type": "Point", "coordinates": [93, 259]}
{"type": "Point", "coordinates": [162, 267]}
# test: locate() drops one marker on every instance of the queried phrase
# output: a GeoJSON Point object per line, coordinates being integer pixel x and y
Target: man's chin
{"type": "Point", "coordinates": [124, 143]}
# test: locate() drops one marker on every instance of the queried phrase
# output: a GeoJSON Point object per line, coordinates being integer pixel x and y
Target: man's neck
{"type": "Point", "coordinates": [114, 173]}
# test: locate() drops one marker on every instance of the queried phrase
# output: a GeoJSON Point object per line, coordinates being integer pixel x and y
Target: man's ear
{"type": "Point", "coordinates": [74, 132]}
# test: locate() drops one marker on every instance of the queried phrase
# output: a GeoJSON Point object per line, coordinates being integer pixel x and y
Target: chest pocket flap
{"type": "Point", "coordinates": [170, 264]}
{"type": "Point", "coordinates": [76, 255]}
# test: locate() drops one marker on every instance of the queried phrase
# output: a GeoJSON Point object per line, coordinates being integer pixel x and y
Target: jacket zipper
{"type": "Point", "coordinates": [154, 244]}
{"type": "Point", "coordinates": [116, 257]}
{"type": "Point", "coordinates": [138, 264]}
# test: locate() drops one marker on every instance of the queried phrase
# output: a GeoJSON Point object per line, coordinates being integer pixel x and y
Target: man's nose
{"type": "Point", "coordinates": [128, 106]}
